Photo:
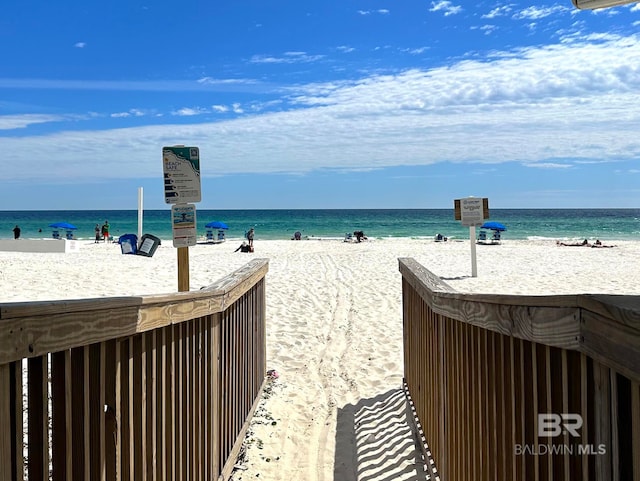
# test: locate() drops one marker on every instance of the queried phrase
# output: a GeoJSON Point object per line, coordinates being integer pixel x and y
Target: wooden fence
{"type": "Point", "coordinates": [133, 388]}
{"type": "Point", "coordinates": [523, 387]}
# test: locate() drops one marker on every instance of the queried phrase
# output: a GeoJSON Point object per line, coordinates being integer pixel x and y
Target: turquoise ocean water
{"type": "Point", "coordinates": [605, 224]}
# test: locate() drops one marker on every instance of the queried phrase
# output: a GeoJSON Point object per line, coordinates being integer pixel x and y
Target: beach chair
{"type": "Point", "coordinates": [209, 235]}
{"type": "Point", "coordinates": [348, 237]}
{"type": "Point", "coordinates": [221, 237]}
{"type": "Point", "coordinates": [495, 238]}
{"type": "Point", "coordinates": [482, 237]}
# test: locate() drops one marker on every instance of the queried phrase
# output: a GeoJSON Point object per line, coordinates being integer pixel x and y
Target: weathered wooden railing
{"type": "Point", "coordinates": [523, 387]}
{"type": "Point", "coordinates": [132, 388]}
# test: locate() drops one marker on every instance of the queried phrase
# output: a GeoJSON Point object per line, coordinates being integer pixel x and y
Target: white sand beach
{"type": "Point", "coordinates": [334, 329]}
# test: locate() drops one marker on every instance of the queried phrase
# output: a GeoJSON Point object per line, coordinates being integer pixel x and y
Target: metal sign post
{"type": "Point", "coordinates": [181, 168]}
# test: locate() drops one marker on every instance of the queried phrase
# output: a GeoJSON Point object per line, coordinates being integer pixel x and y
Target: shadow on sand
{"type": "Point", "coordinates": [376, 440]}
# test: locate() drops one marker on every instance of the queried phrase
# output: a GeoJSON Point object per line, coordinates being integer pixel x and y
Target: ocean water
{"type": "Point", "coordinates": [567, 224]}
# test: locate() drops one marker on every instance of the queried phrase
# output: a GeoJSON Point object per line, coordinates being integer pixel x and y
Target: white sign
{"type": "Point", "coordinates": [183, 222]}
{"type": "Point", "coordinates": [471, 211]}
{"type": "Point", "coordinates": [181, 167]}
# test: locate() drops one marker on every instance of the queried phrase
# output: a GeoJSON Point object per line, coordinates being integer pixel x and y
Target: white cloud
{"type": "Point", "coordinates": [445, 6]}
{"type": "Point", "coordinates": [11, 122]}
{"type": "Point", "coordinates": [487, 29]}
{"type": "Point", "coordinates": [345, 49]}
{"type": "Point", "coordinates": [287, 57]}
{"type": "Point", "coordinates": [548, 165]}
{"type": "Point", "coordinates": [536, 13]}
{"type": "Point", "coordinates": [498, 12]}
{"type": "Point", "coordinates": [220, 108]}
{"type": "Point", "coordinates": [80, 45]}
{"type": "Point", "coordinates": [189, 111]}
{"type": "Point", "coordinates": [415, 51]}
{"type": "Point", "coordinates": [381, 11]}
{"type": "Point", "coordinates": [129, 113]}
{"type": "Point", "coordinates": [545, 107]}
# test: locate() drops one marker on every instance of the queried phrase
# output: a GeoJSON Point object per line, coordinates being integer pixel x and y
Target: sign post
{"type": "Point", "coordinates": [181, 168]}
{"type": "Point", "coordinates": [472, 211]}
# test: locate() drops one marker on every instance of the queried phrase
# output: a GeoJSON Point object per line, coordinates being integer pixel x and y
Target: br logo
{"type": "Point", "coordinates": [551, 425]}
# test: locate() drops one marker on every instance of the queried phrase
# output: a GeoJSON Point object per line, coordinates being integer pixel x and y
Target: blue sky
{"type": "Point", "coordinates": [332, 104]}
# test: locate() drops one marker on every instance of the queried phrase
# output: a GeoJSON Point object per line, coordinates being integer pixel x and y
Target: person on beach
{"type": "Point", "coordinates": [250, 236]}
{"type": "Point", "coordinates": [360, 236]}
{"type": "Point", "coordinates": [105, 230]}
{"type": "Point", "coordinates": [97, 231]}
{"type": "Point", "coordinates": [584, 243]}
{"type": "Point", "coordinates": [16, 232]}
{"type": "Point", "coordinates": [600, 244]}
{"type": "Point", "coordinates": [244, 247]}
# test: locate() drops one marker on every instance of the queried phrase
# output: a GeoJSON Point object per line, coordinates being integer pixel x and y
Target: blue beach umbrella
{"type": "Point", "coordinates": [217, 225]}
{"type": "Point", "coordinates": [63, 225]}
{"type": "Point", "coordinates": [493, 226]}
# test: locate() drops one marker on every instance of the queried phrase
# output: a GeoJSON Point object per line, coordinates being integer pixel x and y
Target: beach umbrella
{"type": "Point", "coordinates": [63, 225]}
{"type": "Point", "coordinates": [217, 225]}
{"type": "Point", "coordinates": [493, 226]}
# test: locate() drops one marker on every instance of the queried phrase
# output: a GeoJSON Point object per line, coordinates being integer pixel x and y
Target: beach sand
{"type": "Point", "coordinates": [334, 330]}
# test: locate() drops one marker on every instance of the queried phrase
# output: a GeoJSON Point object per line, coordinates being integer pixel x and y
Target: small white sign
{"type": "Point", "coordinates": [183, 222]}
{"type": "Point", "coordinates": [471, 212]}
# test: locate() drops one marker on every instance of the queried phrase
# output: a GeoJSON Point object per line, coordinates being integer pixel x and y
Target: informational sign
{"type": "Point", "coordinates": [457, 209]}
{"type": "Point", "coordinates": [473, 210]}
{"type": "Point", "coordinates": [181, 167]}
{"type": "Point", "coordinates": [183, 221]}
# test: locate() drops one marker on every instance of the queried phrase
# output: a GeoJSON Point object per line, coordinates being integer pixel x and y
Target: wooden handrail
{"type": "Point", "coordinates": [147, 387]}
{"type": "Point", "coordinates": [30, 329]}
{"type": "Point", "coordinates": [483, 370]}
{"type": "Point", "coordinates": [605, 327]}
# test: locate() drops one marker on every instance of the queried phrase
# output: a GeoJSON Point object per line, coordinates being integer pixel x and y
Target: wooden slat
{"type": "Point", "coordinates": [615, 452]}
{"type": "Point", "coordinates": [214, 408]}
{"type": "Point", "coordinates": [84, 392]}
{"type": "Point", "coordinates": [181, 414]}
{"type": "Point", "coordinates": [38, 442]}
{"type": "Point", "coordinates": [602, 421]}
{"type": "Point", "coordinates": [111, 425]}
{"type": "Point", "coordinates": [153, 453]}
{"type": "Point", "coordinates": [17, 425]}
{"type": "Point", "coordinates": [59, 402]}
{"type": "Point", "coordinates": [442, 402]}
{"type": "Point", "coordinates": [585, 409]}
{"type": "Point", "coordinates": [94, 405]}
{"type": "Point", "coordinates": [132, 407]}
{"type": "Point", "coordinates": [120, 405]}
{"type": "Point", "coordinates": [501, 409]}
{"type": "Point", "coordinates": [5, 420]}
{"type": "Point", "coordinates": [140, 394]}
{"type": "Point", "coordinates": [565, 388]}
{"type": "Point", "coordinates": [172, 401]}
{"type": "Point", "coordinates": [164, 413]}
{"type": "Point", "coordinates": [635, 427]}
